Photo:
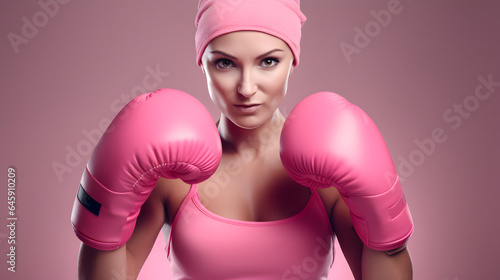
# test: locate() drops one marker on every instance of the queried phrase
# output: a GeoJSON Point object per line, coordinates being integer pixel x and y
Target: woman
{"type": "Point", "coordinates": [249, 220]}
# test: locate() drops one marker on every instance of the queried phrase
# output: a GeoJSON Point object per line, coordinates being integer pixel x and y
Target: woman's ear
{"type": "Point", "coordinates": [202, 69]}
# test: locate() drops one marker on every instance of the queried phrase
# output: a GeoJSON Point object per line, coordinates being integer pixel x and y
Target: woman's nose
{"type": "Point", "coordinates": [247, 86]}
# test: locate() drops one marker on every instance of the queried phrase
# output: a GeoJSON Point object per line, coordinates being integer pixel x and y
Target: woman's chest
{"type": "Point", "coordinates": [253, 191]}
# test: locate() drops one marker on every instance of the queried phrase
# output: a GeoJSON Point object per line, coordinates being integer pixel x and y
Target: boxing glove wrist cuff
{"type": "Point", "coordinates": [383, 221]}
{"type": "Point", "coordinates": [395, 251]}
{"type": "Point", "coordinates": [104, 219]}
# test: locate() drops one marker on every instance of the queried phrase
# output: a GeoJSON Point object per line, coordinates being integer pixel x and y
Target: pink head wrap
{"type": "Point", "coordinates": [280, 18]}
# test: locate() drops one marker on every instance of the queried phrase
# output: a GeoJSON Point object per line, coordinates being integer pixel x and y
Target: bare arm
{"type": "Point", "coordinates": [380, 265]}
{"type": "Point", "coordinates": [350, 243]}
{"type": "Point", "coordinates": [126, 261]}
{"type": "Point", "coordinates": [97, 264]}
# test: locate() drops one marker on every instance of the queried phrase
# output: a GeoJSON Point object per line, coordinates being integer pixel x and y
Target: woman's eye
{"type": "Point", "coordinates": [269, 62]}
{"type": "Point", "coordinates": [223, 63]}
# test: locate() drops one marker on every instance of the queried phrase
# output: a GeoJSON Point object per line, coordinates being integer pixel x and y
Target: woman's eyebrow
{"type": "Point", "coordinates": [259, 57]}
{"type": "Point", "coordinates": [224, 54]}
{"type": "Point", "coordinates": [268, 53]}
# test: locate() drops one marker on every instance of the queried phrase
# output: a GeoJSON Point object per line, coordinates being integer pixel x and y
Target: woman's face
{"type": "Point", "coordinates": [247, 75]}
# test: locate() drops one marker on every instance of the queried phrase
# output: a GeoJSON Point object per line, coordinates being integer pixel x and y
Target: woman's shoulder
{"type": "Point", "coordinates": [171, 193]}
{"type": "Point", "coordinates": [330, 196]}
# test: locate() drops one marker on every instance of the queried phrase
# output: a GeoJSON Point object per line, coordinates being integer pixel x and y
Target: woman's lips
{"type": "Point", "coordinates": [247, 108]}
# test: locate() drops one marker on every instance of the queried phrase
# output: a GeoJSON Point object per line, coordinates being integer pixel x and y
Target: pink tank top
{"type": "Point", "coordinates": [203, 245]}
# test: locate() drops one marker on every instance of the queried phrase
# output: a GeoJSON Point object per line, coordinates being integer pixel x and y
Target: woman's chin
{"type": "Point", "coordinates": [248, 125]}
{"type": "Point", "coordinates": [256, 121]}
{"type": "Point", "coordinates": [247, 122]}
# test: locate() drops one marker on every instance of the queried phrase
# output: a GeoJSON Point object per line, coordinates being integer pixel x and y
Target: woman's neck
{"type": "Point", "coordinates": [251, 142]}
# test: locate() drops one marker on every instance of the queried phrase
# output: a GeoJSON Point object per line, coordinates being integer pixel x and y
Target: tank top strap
{"type": "Point", "coordinates": [192, 192]}
{"type": "Point", "coordinates": [322, 216]}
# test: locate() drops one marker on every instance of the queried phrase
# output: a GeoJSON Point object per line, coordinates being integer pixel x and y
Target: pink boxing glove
{"type": "Point", "coordinates": [328, 141]}
{"type": "Point", "coordinates": [167, 133]}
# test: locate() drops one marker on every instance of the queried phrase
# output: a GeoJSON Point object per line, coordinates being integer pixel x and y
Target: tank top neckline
{"type": "Point", "coordinates": [313, 197]}
{"type": "Point", "coordinates": [192, 214]}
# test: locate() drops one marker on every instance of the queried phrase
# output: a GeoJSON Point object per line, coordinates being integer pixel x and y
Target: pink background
{"type": "Point", "coordinates": [68, 78]}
